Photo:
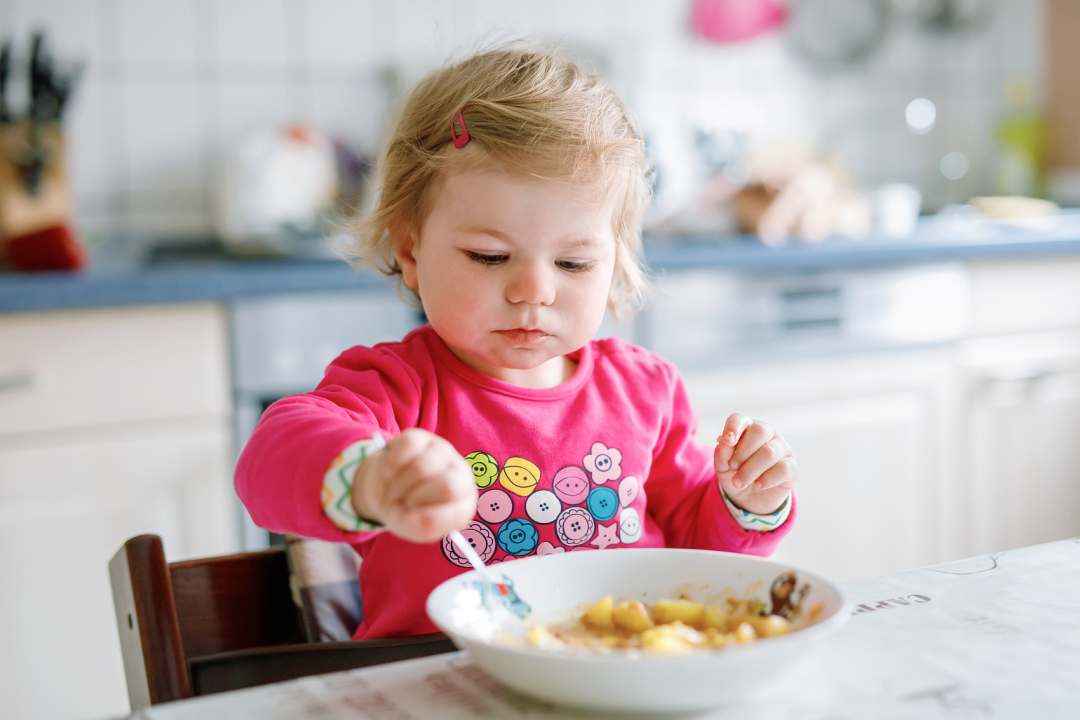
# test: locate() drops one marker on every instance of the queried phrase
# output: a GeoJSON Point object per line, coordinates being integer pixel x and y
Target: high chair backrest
{"type": "Point", "coordinates": [201, 626]}
{"type": "Point", "coordinates": [168, 613]}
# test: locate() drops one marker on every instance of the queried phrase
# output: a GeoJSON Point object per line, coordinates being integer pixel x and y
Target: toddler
{"type": "Point", "coordinates": [510, 196]}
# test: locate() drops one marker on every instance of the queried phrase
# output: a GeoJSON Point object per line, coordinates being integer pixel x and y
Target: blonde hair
{"type": "Point", "coordinates": [529, 112]}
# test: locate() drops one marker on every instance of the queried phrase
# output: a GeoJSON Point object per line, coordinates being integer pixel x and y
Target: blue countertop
{"type": "Point", "coordinates": [116, 278]}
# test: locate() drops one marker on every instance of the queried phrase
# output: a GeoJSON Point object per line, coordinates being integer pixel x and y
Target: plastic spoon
{"type": "Point", "coordinates": [494, 598]}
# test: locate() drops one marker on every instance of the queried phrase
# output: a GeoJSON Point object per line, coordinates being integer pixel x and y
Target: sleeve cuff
{"type": "Point", "coordinates": [337, 487]}
{"type": "Point", "coordinates": [760, 523]}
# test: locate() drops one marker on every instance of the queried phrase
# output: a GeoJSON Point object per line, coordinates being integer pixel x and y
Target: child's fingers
{"type": "Point", "coordinates": [404, 482]}
{"type": "Point", "coordinates": [734, 427]}
{"type": "Point", "coordinates": [400, 451]}
{"type": "Point", "coordinates": [424, 465]}
{"type": "Point", "coordinates": [721, 455]}
{"type": "Point", "coordinates": [432, 522]}
{"type": "Point", "coordinates": [455, 482]}
{"type": "Point", "coordinates": [756, 435]}
{"type": "Point", "coordinates": [783, 474]}
{"type": "Point", "coordinates": [765, 457]}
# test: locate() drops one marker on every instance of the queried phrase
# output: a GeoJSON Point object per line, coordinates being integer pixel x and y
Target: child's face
{"type": "Point", "coordinates": [513, 274]}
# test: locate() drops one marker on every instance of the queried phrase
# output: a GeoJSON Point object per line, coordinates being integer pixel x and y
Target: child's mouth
{"type": "Point", "coordinates": [520, 337]}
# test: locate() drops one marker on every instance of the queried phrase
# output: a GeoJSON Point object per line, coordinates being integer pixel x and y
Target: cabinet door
{"type": "Point", "coordinates": [1024, 462]}
{"type": "Point", "coordinates": [868, 432]}
{"type": "Point", "coordinates": [64, 510]}
{"type": "Point", "coordinates": [66, 370]}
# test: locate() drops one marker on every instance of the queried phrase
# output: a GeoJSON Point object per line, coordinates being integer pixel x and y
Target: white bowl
{"type": "Point", "coordinates": [558, 586]}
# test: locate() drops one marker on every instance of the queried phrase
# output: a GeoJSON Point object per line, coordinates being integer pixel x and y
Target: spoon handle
{"type": "Point", "coordinates": [468, 551]}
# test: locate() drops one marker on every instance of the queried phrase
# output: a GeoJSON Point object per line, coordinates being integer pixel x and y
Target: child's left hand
{"type": "Point", "coordinates": [755, 465]}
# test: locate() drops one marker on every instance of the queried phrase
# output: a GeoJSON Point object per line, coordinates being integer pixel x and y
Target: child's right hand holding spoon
{"type": "Point", "coordinates": [418, 487]}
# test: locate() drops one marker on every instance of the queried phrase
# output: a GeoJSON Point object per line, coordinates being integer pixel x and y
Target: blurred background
{"type": "Point", "coordinates": [862, 232]}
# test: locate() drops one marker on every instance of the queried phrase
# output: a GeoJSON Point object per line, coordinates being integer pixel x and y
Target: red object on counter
{"type": "Point", "coordinates": [729, 21]}
{"type": "Point", "coordinates": [51, 248]}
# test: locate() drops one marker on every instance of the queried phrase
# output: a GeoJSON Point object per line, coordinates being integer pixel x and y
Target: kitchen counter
{"type": "Point", "coordinates": [992, 636]}
{"type": "Point", "coordinates": [117, 277]}
{"type": "Point", "coordinates": [934, 241]}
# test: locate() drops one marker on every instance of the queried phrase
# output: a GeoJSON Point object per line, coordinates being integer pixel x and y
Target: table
{"type": "Point", "coordinates": [992, 636]}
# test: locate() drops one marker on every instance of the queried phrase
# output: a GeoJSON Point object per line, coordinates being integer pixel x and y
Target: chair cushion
{"type": "Point", "coordinates": [325, 583]}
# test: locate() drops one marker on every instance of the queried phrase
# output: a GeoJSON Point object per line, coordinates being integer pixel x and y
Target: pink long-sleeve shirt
{"type": "Point", "coordinates": [605, 460]}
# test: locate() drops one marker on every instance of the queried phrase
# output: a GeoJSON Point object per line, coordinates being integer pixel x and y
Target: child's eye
{"type": "Point", "coordinates": [486, 258]}
{"type": "Point", "coordinates": [575, 265]}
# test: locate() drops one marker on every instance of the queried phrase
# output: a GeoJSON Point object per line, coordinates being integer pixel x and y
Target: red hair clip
{"type": "Point", "coordinates": [463, 138]}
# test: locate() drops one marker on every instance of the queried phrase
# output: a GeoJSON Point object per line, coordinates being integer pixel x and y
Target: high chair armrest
{"type": "Point", "coordinates": [258, 666]}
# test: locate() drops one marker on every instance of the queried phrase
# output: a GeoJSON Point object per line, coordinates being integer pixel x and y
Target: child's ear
{"type": "Point", "coordinates": [405, 241]}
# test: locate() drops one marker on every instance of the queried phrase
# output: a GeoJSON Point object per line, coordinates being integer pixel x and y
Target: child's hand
{"type": "Point", "coordinates": [418, 487]}
{"type": "Point", "coordinates": [754, 464]}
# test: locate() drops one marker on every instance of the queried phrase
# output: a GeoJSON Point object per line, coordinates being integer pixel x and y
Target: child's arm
{"type": "Point", "coordinates": [281, 471]}
{"type": "Point", "coordinates": [684, 487]}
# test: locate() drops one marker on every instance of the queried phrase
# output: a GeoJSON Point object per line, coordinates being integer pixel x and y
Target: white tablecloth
{"type": "Point", "coordinates": [993, 636]}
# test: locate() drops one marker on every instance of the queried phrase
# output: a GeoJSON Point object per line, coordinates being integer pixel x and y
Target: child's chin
{"type": "Point", "coordinates": [523, 359]}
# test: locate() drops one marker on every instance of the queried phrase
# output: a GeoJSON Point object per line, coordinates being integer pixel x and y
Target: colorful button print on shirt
{"type": "Point", "coordinates": [518, 537]}
{"type": "Point", "coordinates": [603, 503]}
{"type": "Point", "coordinates": [484, 467]}
{"type": "Point", "coordinates": [629, 487]}
{"type": "Point", "coordinates": [603, 463]}
{"type": "Point", "coordinates": [629, 526]}
{"type": "Point", "coordinates": [494, 506]}
{"type": "Point", "coordinates": [571, 485]}
{"type": "Point", "coordinates": [574, 526]}
{"type": "Point", "coordinates": [606, 536]}
{"type": "Point", "coordinates": [519, 476]}
{"type": "Point", "coordinates": [543, 507]}
{"type": "Point", "coordinates": [476, 534]}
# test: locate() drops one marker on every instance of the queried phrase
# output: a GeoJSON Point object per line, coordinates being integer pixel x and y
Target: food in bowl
{"type": "Point", "coordinates": [681, 625]}
{"type": "Point", "coordinates": [558, 588]}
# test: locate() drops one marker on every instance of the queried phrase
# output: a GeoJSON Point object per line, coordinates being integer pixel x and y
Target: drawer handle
{"type": "Point", "coordinates": [14, 383]}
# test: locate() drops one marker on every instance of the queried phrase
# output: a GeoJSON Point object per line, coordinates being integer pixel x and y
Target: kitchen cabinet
{"type": "Point", "coordinates": [857, 371]}
{"type": "Point", "coordinates": [913, 450]}
{"type": "Point", "coordinates": [112, 423]}
{"type": "Point", "coordinates": [1022, 456]}
{"type": "Point", "coordinates": [1020, 462]}
{"type": "Point", "coordinates": [871, 433]}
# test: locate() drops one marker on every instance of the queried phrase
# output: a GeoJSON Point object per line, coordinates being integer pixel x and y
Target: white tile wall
{"type": "Point", "coordinates": [252, 32]}
{"type": "Point", "coordinates": [156, 31]}
{"type": "Point", "coordinates": [243, 105]}
{"type": "Point", "coordinates": [340, 34]}
{"type": "Point", "coordinates": [169, 83]}
{"type": "Point", "coordinates": [72, 24]}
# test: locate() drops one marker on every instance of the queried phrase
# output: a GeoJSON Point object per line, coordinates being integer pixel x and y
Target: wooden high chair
{"type": "Point", "coordinates": [213, 624]}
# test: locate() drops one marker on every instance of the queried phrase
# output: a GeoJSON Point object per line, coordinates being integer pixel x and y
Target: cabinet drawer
{"type": "Point", "coordinates": [1025, 296]}
{"type": "Point", "coordinates": [82, 369]}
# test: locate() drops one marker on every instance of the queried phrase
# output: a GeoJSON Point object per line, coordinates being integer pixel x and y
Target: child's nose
{"type": "Point", "coordinates": [532, 283]}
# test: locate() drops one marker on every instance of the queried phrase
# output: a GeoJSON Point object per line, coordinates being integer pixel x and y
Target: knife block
{"type": "Point", "coordinates": [34, 218]}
